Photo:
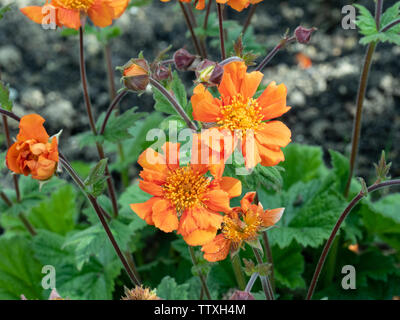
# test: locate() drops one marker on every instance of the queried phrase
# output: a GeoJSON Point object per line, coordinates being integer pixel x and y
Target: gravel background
{"type": "Point", "coordinates": [42, 69]}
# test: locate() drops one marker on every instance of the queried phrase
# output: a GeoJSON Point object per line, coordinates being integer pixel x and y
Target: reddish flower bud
{"type": "Point", "coordinates": [136, 75]}
{"type": "Point", "coordinates": [303, 35]}
{"type": "Point", "coordinates": [183, 59]}
{"type": "Point", "coordinates": [209, 72]}
{"type": "Point", "coordinates": [241, 295]}
{"type": "Point", "coordinates": [161, 72]}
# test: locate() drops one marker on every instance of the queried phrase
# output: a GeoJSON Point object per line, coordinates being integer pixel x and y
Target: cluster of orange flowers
{"type": "Point", "coordinates": [192, 199]}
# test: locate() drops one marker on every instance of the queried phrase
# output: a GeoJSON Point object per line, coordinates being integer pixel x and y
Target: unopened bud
{"type": "Point", "coordinates": [183, 59]}
{"type": "Point", "coordinates": [241, 295]}
{"type": "Point", "coordinates": [210, 73]}
{"type": "Point", "coordinates": [136, 75]}
{"type": "Point", "coordinates": [303, 35]}
{"type": "Point", "coordinates": [161, 72]}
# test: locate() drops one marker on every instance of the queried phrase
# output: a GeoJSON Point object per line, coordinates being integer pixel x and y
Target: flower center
{"type": "Point", "coordinates": [185, 188]}
{"type": "Point", "coordinates": [238, 230]}
{"type": "Point", "coordinates": [76, 4]}
{"type": "Point", "coordinates": [242, 114]}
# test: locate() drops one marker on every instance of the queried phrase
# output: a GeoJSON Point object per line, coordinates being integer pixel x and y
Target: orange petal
{"type": "Point", "coordinates": [271, 217]}
{"type": "Point", "coordinates": [101, 13]}
{"type": "Point", "coordinates": [11, 159]}
{"type": "Point", "coordinates": [145, 210]}
{"type": "Point", "coordinates": [205, 219]}
{"type": "Point", "coordinates": [119, 7]}
{"type": "Point", "coordinates": [164, 216]}
{"type": "Point", "coordinates": [34, 13]}
{"type": "Point", "coordinates": [232, 186]}
{"type": "Point", "coordinates": [247, 201]}
{"type": "Point", "coordinates": [273, 101]}
{"type": "Point", "coordinates": [231, 82]}
{"type": "Point", "coordinates": [53, 149]}
{"type": "Point", "coordinates": [205, 108]}
{"type": "Point", "coordinates": [238, 5]}
{"type": "Point", "coordinates": [31, 127]}
{"type": "Point", "coordinates": [200, 237]}
{"type": "Point", "coordinates": [69, 18]}
{"type": "Point", "coordinates": [270, 155]}
{"type": "Point", "coordinates": [274, 133]}
{"type": "Point", "coordinates": [171, 154]}
{"type": "Point", "coordinates": [153, 176]}
{"type": "Point", "coordinates": [152, 160]}
{"type": "Point", "coordinates": [44, 170]}
{"type": "Point", "coordinates": [217, 249]}
{"type": "Point", "coordinates": [250, 84]}
{"type": "Point", "coordinates": [200, 4]}
{"type": "Point", "coordinates": [217, 200]}
{"type": "Point", "coordinates": [250, 151]}
{"type": "Point", "coordinates": [151, 188]}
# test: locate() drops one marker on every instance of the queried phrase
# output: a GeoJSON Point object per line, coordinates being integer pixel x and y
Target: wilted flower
{"type": "Point", "coordinates": [33, 153]}
{"type": "Point", "coordinates": [241, 224]}
{"type": "Point", "coordinates": [140, 293]}
{"type": "Point", "coordinates": [184, 60]}
{"type": "Point", "coordinates": [136, 74]}
{"type": "Point", "coordinates": [238, 113]}
{"type": "Point", "coordinates": [71, 13]}
{"type": "Point", "coordinates": [184, 198]}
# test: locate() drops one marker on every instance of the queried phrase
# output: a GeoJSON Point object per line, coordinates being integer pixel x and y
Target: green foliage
{"type": "Point", "coordinates": [4, 10]}
{"type": "Point", "coordinates": [20, 272]}
{"type": "Point", "coordinates": [5, 101]}
{"type": "Point", "coordinates": [168, 289]}
{"type": "Point", "coordinates": [367, 25]}
{"type": "Point", "coordinates": [95, 181]}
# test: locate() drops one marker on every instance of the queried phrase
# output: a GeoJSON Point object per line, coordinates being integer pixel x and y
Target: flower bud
{"type": "Point", "coordinates": [136, 75]}
{"type": "Point", "coordinates": [303, 35]}
{"type": "Point", "coordinates": [209, 72]}
{"type": "Point", "coordinates": [161, 72]}
{"type": "Point", "coordinates": [183, 59]}
{"type": "Point", "coordinates": [241, 295]}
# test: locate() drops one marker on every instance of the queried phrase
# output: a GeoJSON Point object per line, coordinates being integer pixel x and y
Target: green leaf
{"type": "Point", "coordinates": [365, 21]}
{"type": "Point", "coordinates": [4, 9]}
{"type": "Point", "coordinates": [341, 170]}
{"type": "Point", "coordinates": [133, 194]}
{"type": "Point", "coordinates": [5, 101]}
{"type": "Point", "coordinates": [302, 163]}
{"type": "Point", "coordinates": [117, 126]}
{"type": "Point", "coordinates": [179, 90]}
{"type": "Point", "coordinates": [390, 15]}
{"type": "Point", "coordinates": [288, 266]}
{"type": "Point", "coordinates": [168, 289]}
{"type": "Point", "coordinates": [96, 179]}
{"type": "Point", "coordinates": [57, 214]}
{"type": "Point", "coordinates": [162, 103]}
{"type": "Point", "coordinates": [94, 241]}
{"type": "Point", "coordinates": [20, 272]}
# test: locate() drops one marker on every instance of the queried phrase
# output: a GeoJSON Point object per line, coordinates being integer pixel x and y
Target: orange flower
{"type": "Point", "coordinates": [242, 224]}
{"type": "Point", "coordinates": [184, 197]}
{"type": "Point", "coordinates": [236, 112]}
{"type": "Point", "coordinates": [238, 5]}
{"type": "Point", "coordinates": [69, 13]}
{"type": "Point", "coordinates": [33, 153]}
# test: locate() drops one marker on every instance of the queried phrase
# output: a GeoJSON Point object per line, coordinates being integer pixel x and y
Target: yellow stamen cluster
{"type": "Point", "coordinates": [238, 230]}
{"type": "Point", "coordinates": [76, 4]}
{"type": "Point", "coordinates": [185, 188]}
{"type": "Point", "coordinates": [140, 293]}
{"type": "Point", "coordinates": [242, 114]}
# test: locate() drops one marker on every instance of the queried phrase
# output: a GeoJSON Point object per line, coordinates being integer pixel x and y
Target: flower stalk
{"type": "Point", "coordinates": [337, 226]}
{"type": "Point", "coordinates": [220, 10]}
{"type": "Point", "coordinates": [201, 276]}
{"type": "Point", "coordinates": [238, 271]}
{"type": "Point", "coordinates": [191, 30]}
{"type": "Point", "coordinates": [265, 283]}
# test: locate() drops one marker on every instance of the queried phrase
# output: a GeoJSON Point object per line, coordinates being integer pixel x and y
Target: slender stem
{"type": "Point", "coordinates": [336, 228]}
{"type": "Point", "coordinates": [269, 257]}
{"type": "Point", "coordinates": [229, 60]}
{"type": "Point", "coordinates": [378, 13]}
{"type": "Point", "coordinates": [249, 17]}
{"type": "Point", "coordinates": [9, 144]}
{"type": "Point", "coordinates": [251, 282]}
{"type": "Point", "coordinates": [238, 271]}
{"type": "Point", "coordinates": [10, 115]}
{"type": "Point", "coordinates": [194, 24]}
{"type": "Point", "coordinates": [174, 103]}
{"type": "Point", "coordinates": [5, 199]}
{"type": "Point", "coordinates": [111, 108]}
{"type": "Point", "coordinates": [220, 9]}
{"type": "Point", "coordinates": [98, 211]}
{"type": "Point", "coordinates": [190, 27]}
{"type": "Point", "coordinates": [132, 264]}
{"type": "Point", "coordinates": [266, 285]}
{"type": "Point", "coordinates": [85, 88]}
{"type": "Point", "coordinates": [205, 24]}
{"type": "Point", "coordinates": [100, 150]}
{"type": "Point", "coordinates": [274, 51]}
{"type": "Point", "coordinates": [201, 276]}
{"type": "Point", "coordinates": [390, 25]}
{"type": "Point", "coordinates": [357, 120]}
